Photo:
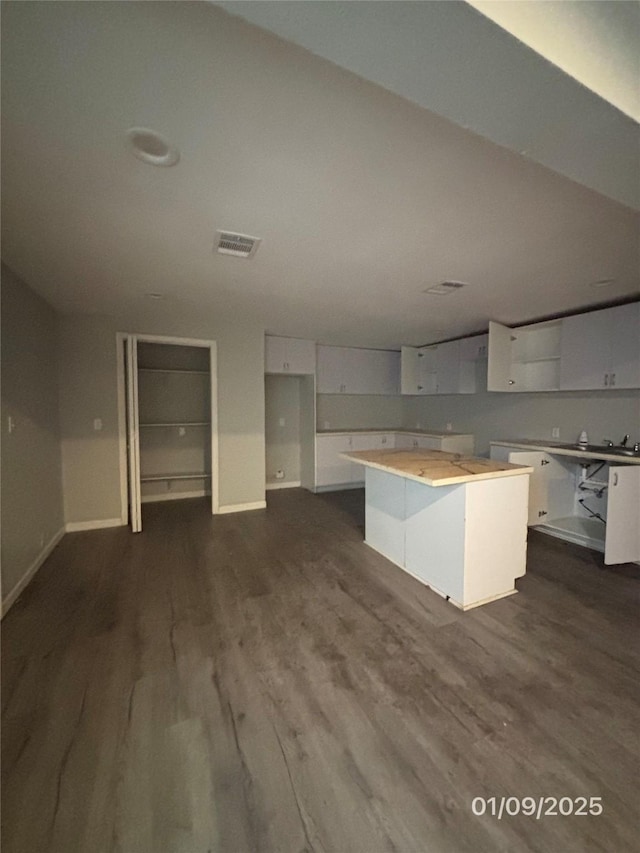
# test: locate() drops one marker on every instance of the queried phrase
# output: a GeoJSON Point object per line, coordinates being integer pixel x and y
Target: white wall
{"type": "Point", "coordinates": [282, 402]}
{"type": "Point", "coordinates": [32, 516]}
{"type": "Point", "coordinates": [88, 390]}
{"type": "Point", "coordinates": [492, 416]}
{"type": "Point", "coordinates": [356, 411]}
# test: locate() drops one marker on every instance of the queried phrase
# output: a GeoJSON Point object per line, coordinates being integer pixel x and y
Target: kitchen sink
{"type": "Point", "coordinates": [603, 448]}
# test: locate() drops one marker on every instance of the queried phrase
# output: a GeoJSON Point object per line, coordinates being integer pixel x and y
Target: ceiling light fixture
{"type": "Point", "coordinates": [151, 147]}
{"type": "Point", "coordinates": [603, 282]}
{"type": "Point", "coordinates": [156, 296]}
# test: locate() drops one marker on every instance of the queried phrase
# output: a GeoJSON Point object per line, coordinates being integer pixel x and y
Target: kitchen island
{"type": "Point", "coordinates": [456, 523]}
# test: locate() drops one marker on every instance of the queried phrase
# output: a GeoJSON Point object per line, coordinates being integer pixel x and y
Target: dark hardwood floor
{"type": "Point", "coordinates": [266, 682]}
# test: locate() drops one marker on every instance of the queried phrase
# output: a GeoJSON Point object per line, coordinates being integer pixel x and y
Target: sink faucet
{"type": "Point", "coordinates": [624, 441]}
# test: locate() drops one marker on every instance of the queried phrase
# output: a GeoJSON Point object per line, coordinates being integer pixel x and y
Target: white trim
{"type": "Point", "coordinates": [98, 524]}
{"type": "Point", "coordinates": [175, 496]}
{"type": "Point", "coordinates": [122, 427]}
{"type": "Point", "coordinates": [242, 507]}
{"type": "Point", "coordinates": [121, 339]}
{"type": "Point", "coordinates": [338, 487]}
{"type": "Point", "coordinates": [278, 485]}
{"type": "Point", "coordinates": [19, 588]}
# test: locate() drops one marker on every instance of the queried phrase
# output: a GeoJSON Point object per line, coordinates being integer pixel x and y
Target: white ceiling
{"type": "Point", "coordinates": [362, 196]}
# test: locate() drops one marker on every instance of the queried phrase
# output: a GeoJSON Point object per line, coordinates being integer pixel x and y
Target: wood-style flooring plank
{"type": "Point", "coordinates": [266, 682]}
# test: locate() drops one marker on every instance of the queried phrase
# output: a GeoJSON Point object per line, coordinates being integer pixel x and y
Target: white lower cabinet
{"type": "Point", "coordinates": [587, 501]}
{"type": "Point", "coordinates": [333, 472]}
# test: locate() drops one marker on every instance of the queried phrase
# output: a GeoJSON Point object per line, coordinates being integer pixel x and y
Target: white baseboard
{"type": "Point", "coordinates": [175, 496]}
{"type": "Point", "coordinates": [33, 568]}
{"type": "Point", "coordinates": [342, 487]}
{"type": "Point", "coordinates": [98, 524]}
{"type": "Point", "coordinates": [279, 485]}
{"type": "Point", "coordinates": [242, 507]}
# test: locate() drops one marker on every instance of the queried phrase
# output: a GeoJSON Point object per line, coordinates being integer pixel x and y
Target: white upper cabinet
{"type": "Point", "coordinates": [449, 368]}
{"type": "Point", "coordinates": [289, 355]}
{"type": "Point", "coordinates": [526, 358]}
{"type": "Point", "coordinates": [349, 370]}
{"type": "Point", "coordinates": [601, 349]}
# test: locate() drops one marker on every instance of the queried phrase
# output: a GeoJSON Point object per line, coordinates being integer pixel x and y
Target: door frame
{"type": "Point", "coordinates": [121, 338]}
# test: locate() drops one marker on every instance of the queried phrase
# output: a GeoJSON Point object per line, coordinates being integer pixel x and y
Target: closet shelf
{"type": "Point", "coordinates": [178, 424]}
{"type": "Point", "coordinates": [172, 370]}
{"type": "Point", "coordinates": [194, 475]}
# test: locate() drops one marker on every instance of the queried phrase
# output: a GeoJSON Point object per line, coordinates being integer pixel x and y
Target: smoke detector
{"type": "Point", "coordinates": [238, 245]}
{"type": "Point", "coordinates": [445, 288]}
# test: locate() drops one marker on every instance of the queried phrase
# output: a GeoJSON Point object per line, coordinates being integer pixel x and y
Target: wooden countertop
{"type": "Point", "coordinates": [435, 467]}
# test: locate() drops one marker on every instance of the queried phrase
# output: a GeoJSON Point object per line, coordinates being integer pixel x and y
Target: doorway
{"type": "Point", "coordinates": [168, 422]}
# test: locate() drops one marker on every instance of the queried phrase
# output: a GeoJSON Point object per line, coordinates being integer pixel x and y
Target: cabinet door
{"type": "Point", "coordinates": [625, 346]}
{"type": "Point", "coordinates": [360, 442]}
{"type": "Point", "coordinates": [585, 351]}
{"type": "Point", "coordinates": [429, 442]}
{"type": "Point", "coordinates": [403, 441]}
{"type": "Point", "coordinates": [274, 354]}
{"type": "Point", "coordinates": [448, 367]}
{"type": "Point", "coordinates": [538, 483]}
{"type": "Point", "coordinates": [331, 469]}
{"type": "Point", "coordinates": [300, 356]}
{"type": "Point", "coordinates": [622, 543]}
{"type": "Point", "coordinates": [383, 371]}
{"type": "Point", "coordinates": [330, 370]}
{"type": "Point", "coordinates": [499, 367]}
{"type": "Point", "coordinates": [410, 363]}
{"type": "Point", "coordinates": [427, 370]}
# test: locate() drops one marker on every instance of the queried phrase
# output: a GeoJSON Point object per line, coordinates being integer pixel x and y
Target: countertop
{"type": "Point", "coordinates": [435, 467]}
{"type": "Point", "coordinates": [555, 449]}
{"type": "Point", "coordinates": [402, 430]}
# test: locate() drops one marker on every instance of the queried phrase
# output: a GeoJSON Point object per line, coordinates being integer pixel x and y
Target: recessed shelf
{"type": "Point", "coordinates": [179, 424]}
{"type": "Point", "coordinates": [194, 475]}
{"type": "Point", "coordinates": [172, 370]}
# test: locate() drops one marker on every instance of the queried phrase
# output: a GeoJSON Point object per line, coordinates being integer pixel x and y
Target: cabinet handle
{"type": "Point", "coordinates": [606, 380]}
{"type": "Point", "coordinates": [615, 479]}
{"type": "Point", "coordinates": [612, 380]}
{"type": "Point", "coordinates": [420, 387]}
{"type": "Point", "coordinates": [512, 382]}
{"type": "Point", "coordinates": [544, 462]}
{"type": "Point", "coordinates": [541, 513]}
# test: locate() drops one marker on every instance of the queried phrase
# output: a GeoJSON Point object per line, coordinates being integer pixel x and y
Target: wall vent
{"type": "Point", "coordinates": [445, 288]}
{"type": "Point", "coordinates": [238, 245]}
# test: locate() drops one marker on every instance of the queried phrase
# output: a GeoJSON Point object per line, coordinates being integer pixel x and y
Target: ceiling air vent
{"type": "Point", "coordinates": [445, 288]}
{"type": "Point", "coordinates": [239, 245]}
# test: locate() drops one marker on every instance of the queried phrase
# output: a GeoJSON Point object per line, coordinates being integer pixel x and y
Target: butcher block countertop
{"type": "Point", "coordinates": [429, 433]}
{"type": "Point", "coordinates": [436, 467]}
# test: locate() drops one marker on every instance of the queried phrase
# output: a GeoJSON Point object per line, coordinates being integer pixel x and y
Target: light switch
{"type": "Point", "coordinates": [11, 425]}
{"type": "Point", "coordinates": [97, 424]}
{"type": "Point", "coordinates": [555, 432]}
{"type": "Point", "coordinates": [182, 431]}
{"type": "Point", "coordinates": [281, 421]}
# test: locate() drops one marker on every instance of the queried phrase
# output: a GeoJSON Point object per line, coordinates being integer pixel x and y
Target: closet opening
{"type": "Point", "coordinates": [290, 425]}
{"type": "Point", "coordinates": [169, 404]}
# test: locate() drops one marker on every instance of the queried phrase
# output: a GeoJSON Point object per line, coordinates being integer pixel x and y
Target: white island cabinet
{"type": "Point", "coordinates": [456, 523]}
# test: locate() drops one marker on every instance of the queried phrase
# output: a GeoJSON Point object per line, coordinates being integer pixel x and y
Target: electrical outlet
{"type": "Point", "coordinates": [182, 432]}
{"type": "Point", "coordinates": [555, 432]}
{"type": "Point", "coordinates": [97, 424]}
{"type": "Point", "coordinates": [11, 424]}
{"type": "Point", "coordinates": [280, 474]}
{"type": "Point", "coordinates": [449, 427]}
{"type": "Point", "coordinates": [327, 425]}
{"type": "Point", "coordinates": [281, 422]}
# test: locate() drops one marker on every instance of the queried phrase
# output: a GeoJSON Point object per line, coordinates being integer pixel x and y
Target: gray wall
{"type": "Point", "coordinates": [88, 390]}
{"type": "Point", "coordinates": [31, 483]}
{"type": "Point", "coordinates": [354, 411]}
{"type": "Point", "coordinates": [282, 401]}
{"type": "Point", "coordinates": [496, 416]}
